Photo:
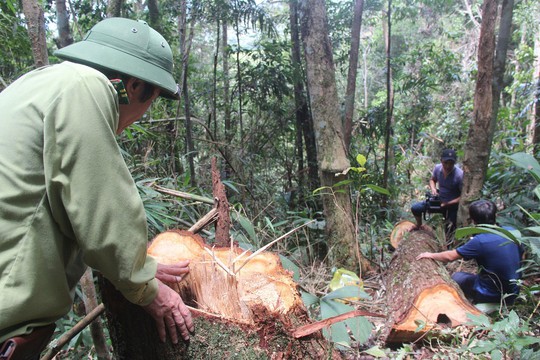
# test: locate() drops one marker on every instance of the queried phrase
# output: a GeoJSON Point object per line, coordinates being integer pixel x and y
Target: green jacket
{"type": "Point", "coordinates": [67, 199]}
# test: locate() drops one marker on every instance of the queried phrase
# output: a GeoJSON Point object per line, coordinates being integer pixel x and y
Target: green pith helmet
{"type": "Point", "coordinates": [130, 47]}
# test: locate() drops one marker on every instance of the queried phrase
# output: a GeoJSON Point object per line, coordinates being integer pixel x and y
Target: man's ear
{"type": "Point", "coordinates": [134, 87]}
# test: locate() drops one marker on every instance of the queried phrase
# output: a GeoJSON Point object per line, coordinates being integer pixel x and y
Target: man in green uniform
{"type": "Point", "coordinates": [67, 199]}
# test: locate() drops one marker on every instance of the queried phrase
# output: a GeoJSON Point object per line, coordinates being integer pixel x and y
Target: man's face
{"type": "Point", "coordinates": [129, 113]}
{"type": "Point", "coordinates": [448, 165]}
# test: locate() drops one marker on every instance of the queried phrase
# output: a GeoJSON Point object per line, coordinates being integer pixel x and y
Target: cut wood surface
{"type": "Point", "coordinates": [400, 229]}
{"type": "Point", "coordinates": [222, 282]}
{"type": "Point", "coordinates": [242, 309]}
{"type": "Point", "coordinates": [421, 292]}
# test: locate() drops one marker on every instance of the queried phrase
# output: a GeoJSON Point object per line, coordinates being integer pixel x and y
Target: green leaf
{"type": "Point", "coordinates": [375, 351]}
{"type": "Point", "coordinates": [337, 332]}
{"type": "Point", "coordinates": [511, 235]}
{"type": "Point", "coordinates": [483, 347]}
{"type": "Point", "coordinates": [361, 160]}
{"type": "Point", "coordinates": [289, 265]}
{"type": "Point", "coordinates": [378, 189]}
{"type": "Point", "coordinates": [309, 299]}
{"type": "Point", "coordinates": [479, 320]}
{"type": "Point", "coordinates": [527, 162]}
{"type": "Point", "coordinates": [496, 355]}
{"type": "Point", "coordinates": [342, 183]}
{"type": "Point", "coordinates": [350, 291]}
{"type": "Point", "coordinates": [248, 227]}
{"type": "Point", "coordinates": [360, 327]}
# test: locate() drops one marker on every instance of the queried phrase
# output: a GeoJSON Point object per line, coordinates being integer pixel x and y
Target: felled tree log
{"type": "Point", "coordinates": [245, 307]}
{"type": "Point", "coordinates": [421, 295]}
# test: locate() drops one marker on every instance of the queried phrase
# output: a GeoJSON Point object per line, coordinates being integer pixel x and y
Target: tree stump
{"type": "Point", "coordinates": [421, 295]}
{"type": "Point", "coordinates": [245, 306]}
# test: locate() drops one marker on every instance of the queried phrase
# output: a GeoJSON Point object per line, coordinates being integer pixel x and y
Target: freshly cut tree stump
{"type": "Point", "coordinates": [245, 306]}
{"type": "Point", "coordinates": [421, 292]}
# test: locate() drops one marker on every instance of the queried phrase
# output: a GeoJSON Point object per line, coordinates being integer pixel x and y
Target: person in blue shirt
{"type": "Point", "coordinates": [449, 179]}
{"type": "Point", "coordinates": [498, 259]}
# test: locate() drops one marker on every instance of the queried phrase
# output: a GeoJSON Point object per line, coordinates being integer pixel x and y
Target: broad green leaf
{"type": "Point", "coordinates": [350, 291]}
{"type": "Point", "coordinates": [496, 355]}
{"type": "Point", "coordinates": [378, 189]}
{"type": "Point", "coordinates": [527, 162]}
{"type": "Point", "coordinates": [342, 183]}
{"type": "Point", "coordinates": [511, 235]}
{"type": "Point", "coordinates": [361, 160]}
{"type": "Point", "coordinates": [309, 299]}
{"type": "Point", "coordinates": [479, 320]}
{"type": "Point", "coordinates": [483, 347]}
{"type": "Point", "coordinates": [360, 327]}
{"type": "Point", "coordinates": [337, 332]}
{"type": "Point", "coordinates": [376, 352]}
{"type": "Point", "coordinates": [289, 265]}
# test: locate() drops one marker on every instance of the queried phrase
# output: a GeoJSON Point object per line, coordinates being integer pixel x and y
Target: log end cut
{"type": "Point", "coordinates": [435, 308]}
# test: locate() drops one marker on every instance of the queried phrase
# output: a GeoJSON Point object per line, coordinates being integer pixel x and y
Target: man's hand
{"type": "Point", "coordinates": [170, 314]}
{"type": "Point", "coordinates": [172, 274]}
{"type": "Point", "coordinates": [425, 255]}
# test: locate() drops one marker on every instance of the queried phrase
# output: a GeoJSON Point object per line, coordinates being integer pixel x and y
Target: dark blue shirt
{"type": "Point", "coordinates": [498, 259]}
{"type": "Point", "coordinates": [449, 187]}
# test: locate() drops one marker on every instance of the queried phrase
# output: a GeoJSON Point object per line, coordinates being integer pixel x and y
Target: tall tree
{"type": "Point", "coordinates": [332, 156]}
{"type": "Point", "coordinates": [388, 151]}
{"type": "Point", "coordinates": [62, 15]}
{"type": "Point", "coordinates": [477, 147]}
{"type": "Point", "coordinates": [114, 8]}
{"type": "Point", "coordinates": [35, 22]}
{"type": "Point", "coordinates": [304, 121]}
{"type": "Point", "coordinates": [499, 66]}
{"type": "Point", "coordinates": [536, 107]}
{"type": "Point", "coordinates": [353, 69]}
{"type": "Point", "coordinates": [185, 49]}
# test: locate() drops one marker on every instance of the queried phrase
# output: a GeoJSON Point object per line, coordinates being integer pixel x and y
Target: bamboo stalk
{"type": "Point", "coordinates": [67, 336]}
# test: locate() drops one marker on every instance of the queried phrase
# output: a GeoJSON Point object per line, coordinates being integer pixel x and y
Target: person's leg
{"type": "Point", "coordinates": [466, 283]}
{"type": "Point", "coordinates": [418, 209]}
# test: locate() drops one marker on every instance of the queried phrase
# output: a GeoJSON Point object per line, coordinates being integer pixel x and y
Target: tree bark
{"type": "Point", "coordinates": [35, 22]}
{"type": "Point", "coordinates": [477, 147]}
{"type": "Point", "coordinates": [64, 34]}
{"type": "Point", "coordinates": [332, 156]}
{"type": "Point", "coordinates": [536, 107]}
{"type": "Point", "coordinates": [388, 148]}
{"type": "Point", "coordinates": [247, 307]}
{"type": "Point", "coordinates": [353, 69]}
{"type": "Point", "coordinates": [421, 290]}
{"type": "Point", "coordinates": [503, 40]}
{"type": "Point", "coordinates": [114, 8]}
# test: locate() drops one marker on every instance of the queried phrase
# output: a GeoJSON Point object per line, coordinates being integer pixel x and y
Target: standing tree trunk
{"type": "Point", "coordinates": [153, 11]}
{"type": "Point", "coordinates": [185, 49]}
{"type": "Point", "coordinates": [114, 8]}
{"type": "Point", "coordinates": [64, 34]}
{"type": "Point", "coordinates": [477, 147]}
{"type": "Point", "coordinates": [536, 107]}
{"type": "Point", "coordinates": [353, 69]}
{"type": "Point", "coordinates": [332, 157]}
{"type": "Point", "coordinates": [304, 122]}
{"type": "Point", "coordinates": [388, 150]}
{"type": "Point", "coordinates": [505, 34]}
{"type": "Point", "coordinates": [229, 131]}
{"type": "Point", "coordinates": [35, 22]}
